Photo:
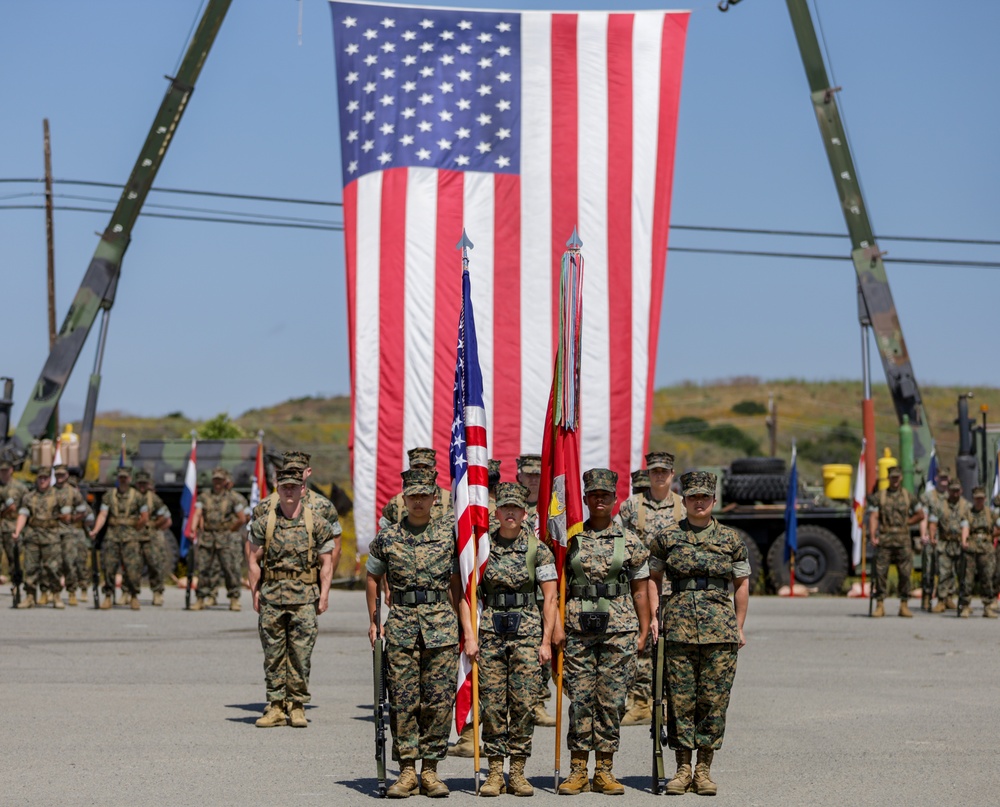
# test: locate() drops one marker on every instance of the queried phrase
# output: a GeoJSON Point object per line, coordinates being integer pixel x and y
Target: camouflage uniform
{"type": "Point", "coordinates": [219, 514]}
{"type": "Point", "coordinates": [42, 550]}
{"type": "Point", "coordinates": [289, 593]}
{"type": "Point", "coordinates": [599, 667]}
{"type": "Point", "coordinates": [394, 511]}
{"type": "Point", "coordinates": [121, 543]}
{"type": "Point", "coordinates": [699, 628]}
{"type": "Point", "coordinates": [319, 504]}
{"type": "Point", "coordinates": [151, 547]}
{"type": "Point", "coordinates": [83, 550]}
{"type": "Point", "coordinates": [894, 545]}
{"type": "Point", "coordinates": [508, 662]}
{"type": "Point", "coordinates": [10, 502]}
{"type": "Point", "coordinates": [422, 637]}
{"type": "Point", "coordinates": [70, 503]}
{"type": "Point", "coordinates": [951, 518]}
{"type": "Point", "coordinates": [980, 559]}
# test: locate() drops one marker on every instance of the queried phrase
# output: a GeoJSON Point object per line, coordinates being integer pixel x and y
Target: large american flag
{"type": "Point", "coordinates": [469, 477]}
{"type": "Point", "coordinates": [517, 126]}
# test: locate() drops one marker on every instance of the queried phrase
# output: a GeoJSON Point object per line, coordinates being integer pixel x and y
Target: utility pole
{"type": "Point", "coordinates": [772, 423]}
{"type": "Point", "coordinates": [51, 272]}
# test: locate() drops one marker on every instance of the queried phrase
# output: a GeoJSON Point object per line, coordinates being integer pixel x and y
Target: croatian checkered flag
{"type": "Point", "coordinates": [468, 457]}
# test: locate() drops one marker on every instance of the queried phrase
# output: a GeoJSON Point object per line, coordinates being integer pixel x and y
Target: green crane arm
{"type": "Point", "coordinates": [876, 306]}
{"type": "Point", "coordinates": [97, 290]}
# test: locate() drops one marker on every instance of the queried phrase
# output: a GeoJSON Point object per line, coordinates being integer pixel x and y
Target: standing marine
{"type": "Point", "coordinates": [395, 509]}
{"type": "Point", "coordinates": [947, 531]}
{"type": "Point", "coordinates": [125, 512]}
{"type": "Point", "coordinates": [217, 516]}
{"type": "Point", "coordinates": [151, 545]}
{"type": "Point", "coordinates": [38, 512]}
{"type": "Point", "coordinates": [72, 511]}
{"type": "Point", "coordinates": [891, 512]}
{"type": "Point", "coordinates": [979, 559]}
{"type": "Point", "coordinates": [11, 492]}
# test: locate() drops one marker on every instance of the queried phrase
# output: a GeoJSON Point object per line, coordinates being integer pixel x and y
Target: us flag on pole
{"type": "Point", "coordinates": [517, 126]}
{"type": "Point", "coordinates": [188, 498]}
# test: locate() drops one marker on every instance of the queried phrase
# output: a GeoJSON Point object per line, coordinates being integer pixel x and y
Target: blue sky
{"type": "Point", "coordinates": [195, 328]}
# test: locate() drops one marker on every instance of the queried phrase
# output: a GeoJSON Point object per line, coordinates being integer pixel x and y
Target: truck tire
{"type": "Point", "coordinates": [758, 465]}
{"type": "Point", "coordinates": [820, 563]}
{"type": "Point", "coordinates": [753, 555]}
{"type": "Point", "coordinates": [751, 488]}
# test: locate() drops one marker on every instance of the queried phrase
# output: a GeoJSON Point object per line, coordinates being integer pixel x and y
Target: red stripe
{"type": "Point", "coordinates": [620, 245]}
{"type": "Point", "coordinates": [351, 252]}
{"type": "Point", "coordinates": [506, 426]}
{"type": "Point", "coordinates": [447, 307]}
{"type": "Point", "coordinates": [389, 454]}
{"type": "Point", "coordinates": [671, 64]}
{"type": "Point", "coordinates": [565, 186]}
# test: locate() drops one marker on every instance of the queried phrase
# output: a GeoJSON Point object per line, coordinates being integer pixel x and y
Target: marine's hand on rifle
{"type": "Point", "coordinates": [256, 601]}
{"type": "Point", "coordinates": [372, 633]}
{"type": "Point", "coordinates": [743, 639]}
{"type": "Point", "coordinates": [654, 628]}
{"type": "Point", "coordinates": [641, 642]}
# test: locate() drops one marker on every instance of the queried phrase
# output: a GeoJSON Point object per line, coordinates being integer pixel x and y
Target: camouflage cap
{"type": "Point", "coordinates": [979, 492]}
{"type": "Point", "coordinates": [290, 475]}
{"type": "Point", "coordinates": [296, 458]}
{"type": "Point", "coordinates": [5, 464]}
{"type": "Point", "coordinates": [419, 481]}
{"type": "Point", "coordinates": [218, 473]}
{"type": "Point", "coordinates": [695, 482]}
{"type": "Point", "coordinates": [511, 493]}
{"type": "Point", "coordinates": [600, 479]}
{"type": "Point", "coordinates": [124, 470]}
{"type": "Point", "coordinates": [44, 470]}
{"type": "Point", "coordinates": [143, 476]}
{"type": "Point", "coordinates": [493, 467]}
{"type": "Point", "coordinates": [529, 463]}
{"type": "Point", "coordinates": [422, 457]}
{"type": "Point", "coordinates": [640, 479]}
{"type": "Point", "coordinates": [895, 470]}
{"type": "Point", "coordinates": [954, 485]}
{"type": "Point", "coordinates": [660, 459]}
{"type": "Point", "coordinates": [943, 472]}
{"type": "Point", "coordinates": [61, 468]}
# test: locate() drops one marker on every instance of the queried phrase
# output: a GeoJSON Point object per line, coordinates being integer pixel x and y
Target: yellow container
{"type": "Point", "coordinates": [885, 462]}
{"type": "Point", "coordinates": [837, 481]}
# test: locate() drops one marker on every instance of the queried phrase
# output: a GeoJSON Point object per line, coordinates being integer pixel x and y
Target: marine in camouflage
{"type": "Point", "coordinates": [11, 492]}
{"type": "Point", "coordinates": [72, 510]}
{"type": "Point", "coordinates": [951, 516]}
{"type": "Point", "coordinates": [893, 509]}
{"type": "Point", "coordinates": [125, 512]}
{"type": "Point", "coordinates": [980, 558]}
{"type": "Point", "coordinates": [151, 546]}
{"type": "Point", "coordinates": [699, 679]}
{"type": "Point", "coordinates": [220, 516]}
{"type": "Point", "coordinates": [42, 550]}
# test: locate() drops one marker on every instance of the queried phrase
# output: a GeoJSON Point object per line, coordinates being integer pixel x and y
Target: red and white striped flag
{"type": "Point", "coordinates": [258, 486]}
{"type": "Point", "coordinates": [860, 500]}
{"type": "Point", "coordinates": [517, 126]}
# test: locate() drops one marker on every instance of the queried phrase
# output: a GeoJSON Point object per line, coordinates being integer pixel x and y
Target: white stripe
{"type": "Point", "coordinates": [366, 356]}
{"type": "Point", "coordinates": [479, 203]}
{"type": "Point", "coordinates": [646, 38]}
{"type": "Point", "coordinates": [592, 199]}
{"type": "Point", "coordinates": [536, 226]}
{"type": "Point", "coordinates": [418, 308]}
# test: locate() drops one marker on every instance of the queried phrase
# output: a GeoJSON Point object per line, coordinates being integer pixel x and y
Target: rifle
{"type": "Point", "coordinates": [95, 570]}
{"type": "Point", "coordinates": [656, 727]}
{"type": "Point", "coordinates": [928, 569]}
{"type": "Point", "coordinates": [192, 564]}
{"type": "Point", "coordinates": [16, 574]}
{"type": "Point", "coordinates": [380, 669]}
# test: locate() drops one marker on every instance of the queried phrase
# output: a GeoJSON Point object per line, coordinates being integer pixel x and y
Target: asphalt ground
{"type": "Point", "coordinates": [157, 707]}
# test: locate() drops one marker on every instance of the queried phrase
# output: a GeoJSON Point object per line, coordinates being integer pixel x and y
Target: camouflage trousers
{"type": "Point", "coordinates": [124, 555]}
{"type": "Point", "coordinates": [287, 634]}
{"type": "Point", "coordinates": [8, 549]}
{"type": "Point", "coordinates": [698, 678]}
{"type": "Point", "coordinates": [508, 692]}
{"type": "Point", "coordinates": [948, 554]}
{"type": "Point", "coordinates": [422, 684]}
{"type": "Point", "coordinates": [41, 566]}
{"type": "Point", "coordinates": [598, 670]}
{"type": "Point", "coordinates": [900, 554]}
{"type": "Point", "coordinates": [81, 570]}
{"type": "Point", "coordinates": [642, 687]}
{"type": "Point", "coordinates": [151, 556]}
{"type": "Point", "coordinates": [220, 554]}
{"type": "Point", "coordinates": [67, 558]}
{"type": "Point", "coordinates": [979, 568]}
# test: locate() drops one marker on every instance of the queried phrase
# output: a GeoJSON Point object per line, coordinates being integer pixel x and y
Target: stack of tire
{"type": "Point", "coordinates": [756, 480]}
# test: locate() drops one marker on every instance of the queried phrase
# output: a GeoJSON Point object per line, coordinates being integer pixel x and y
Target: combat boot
{"type": "Point", "coordinates": [83, 594]}
{"type": "Point", "coordinates": [681, 783]}
{"type": "Point", "coordinates": [703, 784]}
{"type": "Point", "coordinates": [43, 598]}
{"type": "Point", "coordinates": [966, 612]}
{"type": "Point", "coordinates": [199, 604]}
{"type": "Point", "coordinates": [940, 608]}
{"type": "Point", "coordinates": [494, 786]}
{"type": "Point", "coordinates": [106, 603]}
{"type": "Point", "coordinates": [641, 713]}
{"type": "Point", "coordinates": [904, 609]}
{"type": "Point", "coordinates": [71, 600]}
{"type": "Point", "coordinates": [950, 604]}
{"type": "Point", "coordinates": [604, 780]}
{"type": "Point", "coordinates": [430, 785]}
{"type": "Point", "coordinates": [158, 598]}
{"type": "Point", "coordinates": [274, 715]}
{"type": "Point", "coordinates": [464, 747]}
{"type": "Point", "coordinates": [126, 598]}
{"type": "Point", "coordinates": [990, 611]}
{"type": "Point", "coordinates": [57, 602]}
{"type": "Point", "coordinates": [542, 717]}
{"type": "Point", "coordinates": [297, 716]}
{"type": "Point", "coordinates": [210, 600]}
{"type": "Point", "coordinates": [578, 781]}
{"type": "Point", "coordinates": [27, 602]}
{"type": "Point", "coordinates": [516, 782]}
{"type": "Point", "coordinates": [407, 784]}
{"type": "Point", "coordinates": [234, 604]}
{"type": "Point", "coordinates": [879, 609]}
{"type": "Point", "coordinates": [133, 603]}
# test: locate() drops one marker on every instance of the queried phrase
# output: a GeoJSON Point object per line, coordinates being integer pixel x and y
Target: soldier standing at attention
{"type": "Point", "coordinates": [640, 482]}
{"type": "Point", "coordinates": [948, 531]}
{"type": "Point", "coordinates": [702, 628]}
{"type": "Point", "coordinates": [83, 545]}
{"type": "Point", "coordinates": [979, 557]}
{"type": "Point", "coordinates": [150, 537]}
{"type": "Point", "coordinates": [124, 510]}
{"type": "Point", "coordinates": [216, 517]}
{"type": "Point", "coordinates": [891, 512]}
{"type": "Point", "coordinates": [605, 627]}
{"type": "Point", "coordinates": [395, 510]}
{"type": "Point", "coordinates": [292, 556]}
{"type": "Point", "coordinates": [72, 511]}
{"type": "Point", "coordinates": [648, 514]}
{"type": "Point", "coordinates": [39, 512]}
{"type": "Point", "coordinates": [514, 639]}
{"type": "Point", "coordinates": [11, 492]}
{"type": "Point", "coordinates": [419, 558]}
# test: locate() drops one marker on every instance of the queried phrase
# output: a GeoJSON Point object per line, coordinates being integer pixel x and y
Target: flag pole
{"type": "Point", "coordinates": [559, 678]}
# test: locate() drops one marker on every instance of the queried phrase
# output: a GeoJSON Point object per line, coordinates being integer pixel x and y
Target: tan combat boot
{"type": "Point", "coordinates": [133, 603]}
{"type": "Point", "coordinates": [297, 716]}
{"type": "Point", "coordinates": [940, 608]}
{"type": "Point", "coordinates": [464, 747]}
{"type": "Point", "coordinates": [990, 611]}
{"type": "Point", "coordinates": [879, 609]}
{"type": "Point", "coordinates": [83, 594]}
{"type": "Point", "coordinates": [641, 713]}
{"type": "Point", "coordinates": [274, 715]}
{"type": "Point", "coordinates": [407, 784]}
{"type": "Point", "coordinates": [210, 600]}
{"type": "Point", "coordinates": [126, 598]}
{"type": "Point", "coordinates": [430, 785]}
{"type": "Point", "coordinates": [234, 604]}
{"type": "Point", "coordinates": [604, 780]}
{"type": "Point", "coordinates": [578, 781]}
{"type": "Point", "coordinates": [43, 598]}
{"type": "Point", "coordinates": [542, 717]}
{"type": "Point", "coordinates": [71, 600]}
{"type": "Point", "coordinates": [966, 612]}
{"type": "Point", "coordinates": [199, 604]}
{"type": "Point", "coordinates": [950, 604]}
{"type": "Point", "coordinates": [106, 603]}
{"type": "Point", "coordinates": [27, 602]}
{"type": "Point", "coordinates": [703, 784]}
{"type": "Point", "coordinates": [494, 786]}
{"type": "Point", "coordinates": [516, 782]}
{"type": "Point", "coordinates": [157, 598]}
{"type": "Point", "coordinates": [681, 783]}
{"type": "Point", "coordinates": [904, 610]}
{"type": "Point", "coordinates": [57, 602]}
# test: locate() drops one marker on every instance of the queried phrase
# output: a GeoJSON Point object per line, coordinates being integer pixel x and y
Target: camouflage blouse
{"type": "Point", "coordinates": [157, 510]}
{"type": "Point", "coordinates": [950, 518]}
{"type": "Point", "coordinates": [42, 510]}
{"type": "Point", "coordinates": [395, 511]}
{"type": "Point", "coordinates": [692, 616]}
{"type": "Point", "coordinates": [661, 516]}
{"type": "Point", "coordinates": [10, 497]}
{"type": "Point", "coordinates": [507, 571]}
{"type": "Point", "coordinates": [418, 558]}
{"type": "Point", "coordinates": [288, 553]}
{"type": "Point", "coordinates": [219, 510]}
{"type": "Point", "coordinates": [124, 510]}
{"type": "Point", "coordinates": [981, 530]}
{"type": "Point", "coordinates": [320, 505]}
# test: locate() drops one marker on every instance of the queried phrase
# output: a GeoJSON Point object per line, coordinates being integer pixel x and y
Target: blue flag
{"type": "Point", "coordinates": [791, 518]}
{"type": "Point", "coordinates": [932, 472]}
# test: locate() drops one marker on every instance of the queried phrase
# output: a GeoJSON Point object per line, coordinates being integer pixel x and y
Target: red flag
{"type": "Point", "coordinates": [258, 488]}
